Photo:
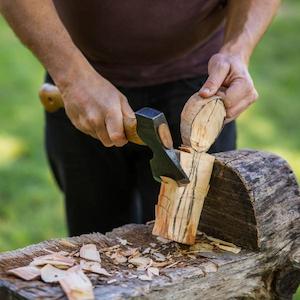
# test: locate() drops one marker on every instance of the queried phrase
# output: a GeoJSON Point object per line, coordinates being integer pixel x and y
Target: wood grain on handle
{"type": "Point", "coordinates": [51, 99]}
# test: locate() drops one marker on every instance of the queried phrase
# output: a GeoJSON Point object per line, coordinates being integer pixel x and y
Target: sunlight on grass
{"type": "Point", "coordinates": [11, 149]}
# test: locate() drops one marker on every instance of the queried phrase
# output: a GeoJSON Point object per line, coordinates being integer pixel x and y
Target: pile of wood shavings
{"type": "Point", "coordinates": [76, 270]}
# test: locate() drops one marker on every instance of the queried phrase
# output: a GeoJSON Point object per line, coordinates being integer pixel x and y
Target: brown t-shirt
{"type": "Point", "coordinates": [145, 42]}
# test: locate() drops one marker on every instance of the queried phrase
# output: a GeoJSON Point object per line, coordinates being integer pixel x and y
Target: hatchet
{"type": "Point", "coordinates": [150, 127]}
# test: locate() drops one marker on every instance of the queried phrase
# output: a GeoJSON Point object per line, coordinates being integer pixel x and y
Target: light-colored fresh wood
{"type": "Point", "coordinates": [201, 122]}
{"type": "Point", "coordinates": [179, 208]}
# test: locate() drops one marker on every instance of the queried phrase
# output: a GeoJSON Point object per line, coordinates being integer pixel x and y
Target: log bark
{"type": "Point", "coordinates": [179, 208]}
{"type": "Point", "coordinates": [253, 202]}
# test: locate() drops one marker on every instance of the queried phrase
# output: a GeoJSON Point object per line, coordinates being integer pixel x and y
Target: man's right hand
{"type": "Point", "coordinates": [93, 104]}
{"type": "Point", "coordinates": [97, 108]}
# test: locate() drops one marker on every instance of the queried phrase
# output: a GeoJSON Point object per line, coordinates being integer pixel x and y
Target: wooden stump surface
{"type": "Point", "coordinates": [253, 202]}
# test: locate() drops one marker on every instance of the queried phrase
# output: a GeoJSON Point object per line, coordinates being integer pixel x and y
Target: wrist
{"type": "Point", "coordinates": [70, 69]}
{"type": "Point", "coordinates": [239, 52]}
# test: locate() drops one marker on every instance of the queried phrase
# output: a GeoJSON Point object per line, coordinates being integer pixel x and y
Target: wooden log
{"type": "Point", "coordinates": [260, 191]}
{"type": "Point", "coordinates": [179, 208]}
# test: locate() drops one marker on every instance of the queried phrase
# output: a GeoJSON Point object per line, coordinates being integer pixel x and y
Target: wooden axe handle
{"type": "Point", "coordinates": [51, 99]}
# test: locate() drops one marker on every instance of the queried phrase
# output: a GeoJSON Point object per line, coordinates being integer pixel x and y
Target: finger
{"type": "Point", "coordinates": [102, 134]}
{"type": "Point", "coordinates": [238, 89]}
{"type": "Point", "coordinates": [115, 128]}
{"type": "Point", "coordinates": [126, 109]}
{"type": "Point", "coordinates": [86, 128]}
{"type": "Point", "coordinates": [217, 75]}
{"type": "Point", "coordinates": [233, 112]}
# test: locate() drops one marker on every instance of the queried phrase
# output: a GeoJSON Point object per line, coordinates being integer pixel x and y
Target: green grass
{"type": "Point", "coordinates": [31, 208]}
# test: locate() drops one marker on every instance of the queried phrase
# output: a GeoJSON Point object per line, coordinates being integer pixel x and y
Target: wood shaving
{"type": "Point", "coordinates": [77, 286]}
{"type": "Point", "coordinates": [122, 241]}
{"type": "Point", "coordinates": [67, 243]}
{"type": "Point", "coordinates": [172, 265]}
{"type": "Point", "coordinates": [153, 245]}
{"type": "Point", "coordinates": [118, 258]}
{"type": "Point", "coordinates": [159, 257]}
{"type": "Point", "coordinates": [153, 271]}
{"type": "Point", "coordinates": [51, 274]}
{"type": "Point", "coordinates": [93, 267]}
{"type": "Point", "coordinates": [111, 281]}
{"type": "Point", "coordinates": [54, 259]}
{"type": "Point", "coordinates": [234, 250]}
{"type": "Point", "coordinates": [145, 277]}
{"type": "Point", "coordinates": [89, 251]}
{"type": "Point", "coordinates": [26, 273]}
{"type": "Point", "coordinates": [160, 264]}
{"type": "Point", "coordinates": [201, 247]}
{"type": "Point", "coordinates": [140, 262]}
{"type": "Point", "coordinates": [163, 240]}
{"type": "Point", "coordinates": [147, 250]}
{"type": "Point", "coordinates": [130, 252]}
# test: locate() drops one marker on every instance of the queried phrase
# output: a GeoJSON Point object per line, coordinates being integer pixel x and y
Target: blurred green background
{"type": "Point", "coordinates": [31, 208]}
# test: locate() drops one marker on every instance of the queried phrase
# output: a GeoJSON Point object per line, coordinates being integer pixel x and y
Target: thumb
{"type": "Point", "coordinates": [217, 75]}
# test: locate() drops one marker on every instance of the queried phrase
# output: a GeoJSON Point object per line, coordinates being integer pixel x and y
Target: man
{"type": "Point", "coordinates": [110, 58]}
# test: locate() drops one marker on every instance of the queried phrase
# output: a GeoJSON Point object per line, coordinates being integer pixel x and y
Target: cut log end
{"type": "Point", "coordinates": [202, 121]}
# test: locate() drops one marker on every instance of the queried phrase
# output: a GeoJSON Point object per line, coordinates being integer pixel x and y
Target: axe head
{"type": "Point", "coordinates": [165, 161]}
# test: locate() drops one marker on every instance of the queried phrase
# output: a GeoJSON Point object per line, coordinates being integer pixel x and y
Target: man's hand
{"type": "Point", "coordinates": [97, 108]}
{"type": "Point", "coordinates": [230, 79]}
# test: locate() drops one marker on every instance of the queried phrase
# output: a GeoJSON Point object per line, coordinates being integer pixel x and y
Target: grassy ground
{"type": "Point", "coordinates": [31, 208]}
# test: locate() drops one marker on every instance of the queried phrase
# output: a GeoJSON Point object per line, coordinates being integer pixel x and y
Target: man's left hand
{"type": "Point", "coordinates": [229, 78]}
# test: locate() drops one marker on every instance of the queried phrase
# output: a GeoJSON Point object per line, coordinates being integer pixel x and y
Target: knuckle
{"type": "Point", "coordinates": [228, 103]}
{"type": "Point", "coordinates": [222, 64]}
{"type": "Point", "coordinates": [93, 121]}
{"type": "Point", "coordinates": [229, 114]}
{"type": "Point", "coordinates": [210, 82]}
{"type": "Point", "coordinates": [116, 136]}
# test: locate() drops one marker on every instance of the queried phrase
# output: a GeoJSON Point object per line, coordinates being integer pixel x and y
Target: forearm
{"type": "Point", "coordinates": [37, 24]}
{"type": "Point", "coordinates": [247, 20]}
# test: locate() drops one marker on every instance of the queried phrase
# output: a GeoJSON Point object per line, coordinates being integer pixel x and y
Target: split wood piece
{"type": "Point", "coordinates": [179, 208]}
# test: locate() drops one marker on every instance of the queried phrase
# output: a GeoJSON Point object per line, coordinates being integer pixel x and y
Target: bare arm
{"type": "Point", "coordinates": [93, 104]}
{"type": "Point", "coordinates": [247, 20]}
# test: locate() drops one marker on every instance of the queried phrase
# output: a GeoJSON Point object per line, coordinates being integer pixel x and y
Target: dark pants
{"type": "Point", "coordinates": [108, 187]}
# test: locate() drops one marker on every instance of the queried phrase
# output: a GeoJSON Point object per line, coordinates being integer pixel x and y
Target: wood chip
{"type": "Point", "coordinates": [67, 243]}
{"type": "Point", "coordinates": [147, 250]}
{"type": "Point", "coordinates": [111, 281]}
{"type": "Point", "coordinates": [163, 240]}
{"type": "Point", "coordinates": [129, 252]}
{"type": "Point", "coordinates": [122, 241]}
{"type": "Point", "coordinates": [26, 273]}
{"type": "Point", "coordinates": [160, 264]}
{"type": "Point", "coordinates": [153, 245]}
{"type": "Point", "coordinates": [89, 251]}
{"type": "Point", "coordinates": [54, 259]}
{"type": "Point", "coordinates": [153, 271]}
{"type": "Point", "coordinates": [145, 277]}
{"type": "Point", "coordinates": [93, 267]}
{"type": "Point", "coordinates": [172, 265]}
{"type": "Point", "coordinates": [77, 286]}
{"type": "Point", "coordinates": [141, 262]}
{"type": "Point", "coordinates": [118, 258]}
{"type": "Point", "coordinates": [159, 257]}
{"type": "Point", "coordinates": [235, 249]}
{"type": "Point", "coordinates": [201, 247]}
{"type": "Point", "coordinates": [51, 274]}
